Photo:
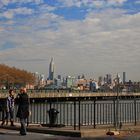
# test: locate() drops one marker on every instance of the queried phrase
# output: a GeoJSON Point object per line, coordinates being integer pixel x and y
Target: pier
{"type": "Point", "coordinates": [70, 95]}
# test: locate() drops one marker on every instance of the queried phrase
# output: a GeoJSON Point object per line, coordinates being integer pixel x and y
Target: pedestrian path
{"type": "Point", "coordinates": [14, 135]}
{"type": "Point", "coordinates": [85, 132]}
{"type": "Point", "coordinates": [6, 134]}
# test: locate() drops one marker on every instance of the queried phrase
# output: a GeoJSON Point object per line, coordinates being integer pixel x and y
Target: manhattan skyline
{"type": "Point", "coordinates": [90, 37]}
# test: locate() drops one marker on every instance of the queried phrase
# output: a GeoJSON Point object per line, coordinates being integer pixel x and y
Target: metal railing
{"type": "Point", "coordinates": [86, 113]}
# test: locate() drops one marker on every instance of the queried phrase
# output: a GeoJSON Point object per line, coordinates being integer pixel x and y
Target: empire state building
{"type": "Point", "coordinates": [51, 70]}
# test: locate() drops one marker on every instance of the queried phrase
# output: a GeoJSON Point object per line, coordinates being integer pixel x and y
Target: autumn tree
{"type": "Point", "coordinates": [11, 76]}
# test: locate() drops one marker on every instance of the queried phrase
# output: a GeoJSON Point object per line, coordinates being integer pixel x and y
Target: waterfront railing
{"type": "Point", "coordinates": [85, 113]}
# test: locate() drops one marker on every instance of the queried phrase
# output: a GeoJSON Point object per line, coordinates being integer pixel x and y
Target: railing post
{"type": "Point", "coordinates": [94, 113]}
{"type": "Point", "coordinates": [135, 111]}
{"type": "Point", "coordinates": [79, 114]}
{"type": "Point", "coordinates": [75, 114]}
{"type": "Point", "coordinates": [114, 113]}
{"type": "Point", "coordinates": [50, 104]}
{"type": "Point", "coordinates": [117, 104]}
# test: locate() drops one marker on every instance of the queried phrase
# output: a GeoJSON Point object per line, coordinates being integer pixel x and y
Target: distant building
{"type": "Point", "coordinates": [36, 74]}
{"type": "Point", "coordinates": [42, 81]}
{"type": "Point", "coordinates": [100, 81]}
{"type": "Point", "coordinates": [83, 76]}
{"type": "Point", "coordinates": [59, 77]}
{"type": "Point", "coordinates": [58, 82]}
{"type": "Point", "coordinates": [93, 85]}
{"type": "Point", "coordinates": [82, 84]}
{"type": "Point", "coordinates": [49, 82]}
{"type": "Point", "coordinates": [70, 81]}
{"type": "Point", "coordinates": [39, 80]}
{"type": "Point", "coordinates": [124, 77]}
{"type": "Point", "coordinates": [51, 70]}
{"type": "Point", "coordinates": [79, 77]}
{"type": "Point", "coordinates": [108, 79]}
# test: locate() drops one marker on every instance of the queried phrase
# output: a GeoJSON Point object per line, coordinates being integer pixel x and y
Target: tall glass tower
{"type": "Point", "coordinates": [51, 70]}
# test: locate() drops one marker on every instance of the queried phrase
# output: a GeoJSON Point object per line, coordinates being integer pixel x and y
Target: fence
{"type": "Point", "coordinates": [86, 113]}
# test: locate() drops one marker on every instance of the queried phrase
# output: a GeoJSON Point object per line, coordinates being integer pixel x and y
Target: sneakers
{"type": "Point", "coordinates": [23, 134]}
{"type": "Point", "coordinates": [2, 123]}
{"type": "Point", "coordinates": [12, 123]}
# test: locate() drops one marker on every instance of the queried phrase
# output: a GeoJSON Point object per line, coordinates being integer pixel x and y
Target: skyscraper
{"type": "Point", "coordinates": [51, 70]}
{"type": "Point", "coordinates": [124, 77]}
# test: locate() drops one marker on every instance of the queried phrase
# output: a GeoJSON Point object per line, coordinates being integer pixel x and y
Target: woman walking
{"type": "Point", "coordinates": [9, 108]}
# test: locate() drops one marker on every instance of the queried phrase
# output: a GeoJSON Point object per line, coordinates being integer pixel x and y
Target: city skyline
{"type": "Point", "coordinates": [90, 37]}
{"type": "Point", "coordinates": [107, 77]}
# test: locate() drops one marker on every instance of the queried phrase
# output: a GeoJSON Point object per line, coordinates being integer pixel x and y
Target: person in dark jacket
{"type": "Point", "coordinates": [23, 109]}
{"type": "Point", "coordinates": [3, 110]}
{"type": "Point", "coordinates": [9, 108]}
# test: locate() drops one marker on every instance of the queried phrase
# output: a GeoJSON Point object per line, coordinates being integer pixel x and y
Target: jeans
{"type": "Point", "coordinates": [23, 130]}
{"type": "Point", "coordinates": [11, 114]}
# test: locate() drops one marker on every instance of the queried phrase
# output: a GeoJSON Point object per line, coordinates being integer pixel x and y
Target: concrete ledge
{"type": "Point", "coordinates": [55, 132]}
{"type": "Point", "coordinates": [45, 130]}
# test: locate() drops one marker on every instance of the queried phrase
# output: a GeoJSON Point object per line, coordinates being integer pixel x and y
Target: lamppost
{"type": "Point", "coordinates": [117, 103]}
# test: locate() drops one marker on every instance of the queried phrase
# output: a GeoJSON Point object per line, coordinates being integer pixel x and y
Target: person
{"type": "Point", "coordinates": [3, 110]}
{"type": "Point", "coordinates": [9, 109]}
{"type": "Point", "coordinates": [23, 109]}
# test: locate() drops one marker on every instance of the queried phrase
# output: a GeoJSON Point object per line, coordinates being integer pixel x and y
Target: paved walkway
{"type": "Point", "coordinates": [37, 131]}
{"type": "Point", "coordinates": [14, 135]}
{"type": "Point", "coordinates": [61, 131]}
{"type": "Point", "coordinates": [6, 134]}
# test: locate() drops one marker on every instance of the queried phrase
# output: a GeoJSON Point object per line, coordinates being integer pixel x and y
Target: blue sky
{"type": "Point", "coordinates": [91, 37]}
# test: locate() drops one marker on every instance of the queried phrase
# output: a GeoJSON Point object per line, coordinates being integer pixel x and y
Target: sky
{"type": "Point", "coordinates": [90, 37]}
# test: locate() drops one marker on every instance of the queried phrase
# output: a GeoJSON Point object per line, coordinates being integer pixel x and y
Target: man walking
{"type": "Point", "coordinates": [23, 109]}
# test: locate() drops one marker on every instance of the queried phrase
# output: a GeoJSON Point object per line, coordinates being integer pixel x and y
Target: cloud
{"type": "Point", "coordinates": [137, 2]}
{"type": "Point", "coordinates": [103, 42]}
{"type": "Point", "coordinates": [116, 2]}
{"type": "Point", "coordinates": [7, 2]}
{"type": "Point", "coordinates": [46, 8]}
{"type": "Point", "coordinates": [9, 14]}
{"type": "Point", "coordinates": [4, 2]}
{"type": "Point", "coordinates": [93, 3]}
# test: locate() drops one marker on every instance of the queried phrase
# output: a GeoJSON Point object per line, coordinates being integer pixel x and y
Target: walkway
{"type": "Point", "coordinates": [37, 132]}
{"type": "Point", "coordinates": [6, 134]}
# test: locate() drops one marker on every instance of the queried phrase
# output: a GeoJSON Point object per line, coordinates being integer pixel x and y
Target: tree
{"type": "Point", "coordinates": [11, 76]}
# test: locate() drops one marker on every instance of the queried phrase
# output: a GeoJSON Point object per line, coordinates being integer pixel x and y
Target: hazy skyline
{"type": "Point", "coordinates": [90, 37]}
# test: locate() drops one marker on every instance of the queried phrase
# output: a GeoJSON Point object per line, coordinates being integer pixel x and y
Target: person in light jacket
{"type": "Point", "coordinates": [23, 109]}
